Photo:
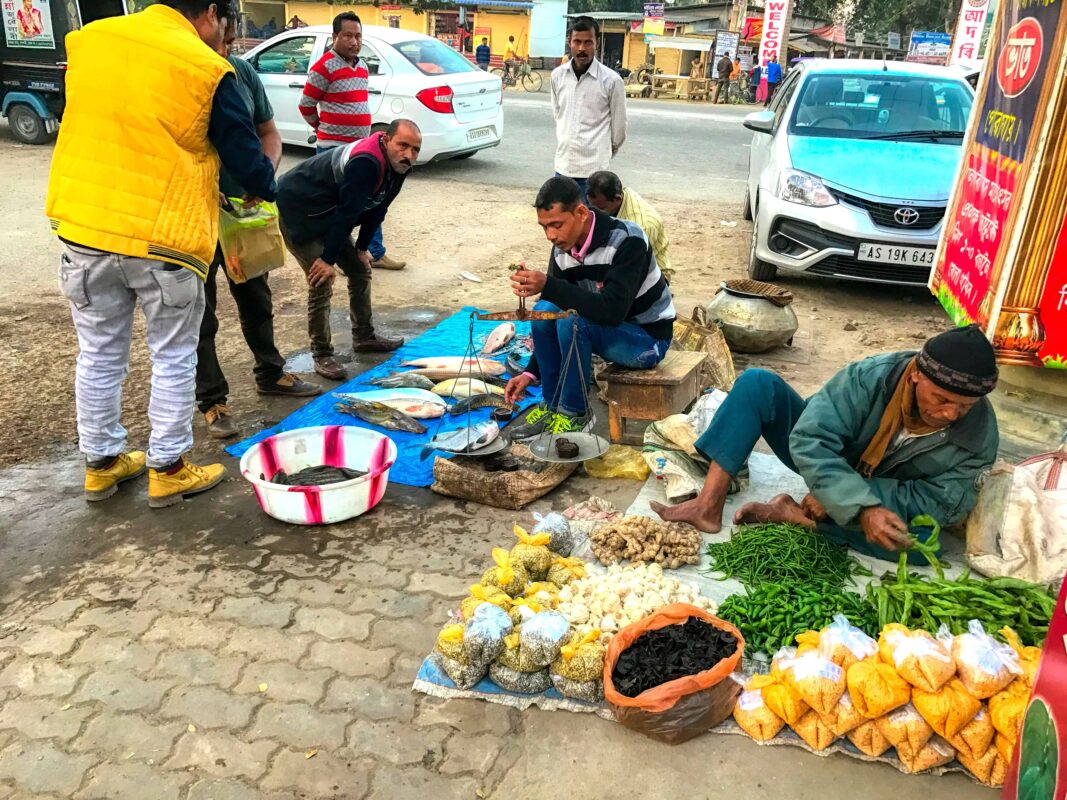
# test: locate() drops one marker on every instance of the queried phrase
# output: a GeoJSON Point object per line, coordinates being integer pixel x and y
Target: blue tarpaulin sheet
{"type": "Point", "coordinates": [448, 338]}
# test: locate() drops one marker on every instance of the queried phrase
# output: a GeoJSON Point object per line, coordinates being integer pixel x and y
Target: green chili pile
{"type": "Point", "coordinates": [782, 553]}
{"type": "Point", "coordinates": [771, 615]}
{"type": "Point", "coordinates": [920, 602]}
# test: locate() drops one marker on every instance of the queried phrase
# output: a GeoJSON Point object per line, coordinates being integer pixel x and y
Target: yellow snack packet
{"type": "Point", "coordinates": [935, 753]}
{"type": "Point", "coordinates": [948, 709]}
{"type": "Point", "coordinates": [532, 553]}
{"type": "Point", "coordinates": [976, 736]}
{"type": "Point", "coordinates": [752, 713]}
{"type": "Point", "coordinates": [505, 576]}
{"type": "Point", "coordinates": [980, 766]}
{"type": "Point", "coordinates": [819, 681]}
{"type": "Point", "coordinates": [1029, 657]}
{"type": "Point", "coordinates": [845, 644]}
{"type": "Point", "coordinates": [844, 717]}
{"type": "Point", "coordinates": [868, 739]}
{"type": "Point", "coordinates": [783, 700]}
{"type": "Point", "coordinates": [876, 689]}
{"type": "Point", "coordinates": [985, 665]}
{"type": "Point", "coordinates": [1007, 708]}
{"type": "Point", "coordinates": [905, 726]}
{"type": "Point", "coordinates": [813, 730]}
{"type": "Point", "coordinates": [920, 659]}
{"type": "Point", "coordinates": [483, 594]}
{"type": "Point", "coordinates": [1005, 747]}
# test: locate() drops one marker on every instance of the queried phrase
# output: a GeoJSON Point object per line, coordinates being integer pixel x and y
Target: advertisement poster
{"type": "Point", "coordinates": [773, 33]}
{"type": "Point", "coordinates": [929, 47]}
{"type": "Point", "coordinates": [967, 42]}
{"type": "Point", "coordinates": [1039, 764]}
{"type": "Point", "coordinates": [1052, 308]}
{"type": "Point", "coordinates": [725, 42]}
{"type": "Point", "coordinates": [28, 24]}
{"type": "Point", "coordinates": [752, 29]}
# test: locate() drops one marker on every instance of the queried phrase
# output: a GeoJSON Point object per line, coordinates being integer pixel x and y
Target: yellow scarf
{"type": "Point", "coordinates": [900, 412]}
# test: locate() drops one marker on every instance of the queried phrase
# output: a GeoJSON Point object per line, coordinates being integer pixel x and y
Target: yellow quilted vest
{"type": "Point", "coordinates": [133, 172]}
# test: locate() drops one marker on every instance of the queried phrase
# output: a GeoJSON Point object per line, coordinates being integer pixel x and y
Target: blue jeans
{"type": "Point", "coordinates": [376, 248]}
{"type": "Point", "coordinates": [761, 404]}
{"type": "Point", "coordinates": [627, 345]}
{"type": "Point", "coordinates": [583, 186]}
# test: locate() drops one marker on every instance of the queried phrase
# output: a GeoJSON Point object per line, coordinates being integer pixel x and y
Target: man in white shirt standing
{"type": "Point", "coordinates": [589, 104]}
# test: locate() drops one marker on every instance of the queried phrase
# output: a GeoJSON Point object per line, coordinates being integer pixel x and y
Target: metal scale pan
{"type": "Point", "coordinates": [589, 446]}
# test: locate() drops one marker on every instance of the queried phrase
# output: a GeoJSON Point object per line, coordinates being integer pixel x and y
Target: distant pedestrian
{"type": "Point", "coordinates": [511, 56]}
{"type": "Point", "coordinates": [295, 23]}
{"type": "Point", "coordinates": [774, 78]}
{"type": "Point", "coordinates": [336, 104]}
{"type": "Point", "coordinates": [724, 67]}
{"type": "Point", "coordinates": [482, 55]}
{"type": "Point", "coordinates": [589, 105]}
{"type": "Point", "coordinates": [754, 78]}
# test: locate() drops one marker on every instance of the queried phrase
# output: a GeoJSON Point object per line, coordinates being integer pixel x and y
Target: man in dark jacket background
{"type": "Point", "coordinates": [321, 202]}
{"type": "Point", "coordinates": [723, 69]}
{"type": "Point", "coordinates": [887, 439]}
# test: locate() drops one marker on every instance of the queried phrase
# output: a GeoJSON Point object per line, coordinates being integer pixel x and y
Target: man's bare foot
{"type": "Point", "coordinates": [782, 508]}
{"type": "Point", "coordinates": [695, 512]}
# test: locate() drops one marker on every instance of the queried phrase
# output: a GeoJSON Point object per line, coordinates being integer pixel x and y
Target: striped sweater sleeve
{"type": "Point", "coordinates": [315, 88]}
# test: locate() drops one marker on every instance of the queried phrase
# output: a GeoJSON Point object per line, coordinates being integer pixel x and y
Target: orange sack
{"type": "Point", "coordinates": [678, 710]}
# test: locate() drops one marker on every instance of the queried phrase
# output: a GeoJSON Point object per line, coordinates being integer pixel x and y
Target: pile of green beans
{"type": "Point", "coordinates": [782, 553]}
{"type": "Point", "coordinates": [771, 615]}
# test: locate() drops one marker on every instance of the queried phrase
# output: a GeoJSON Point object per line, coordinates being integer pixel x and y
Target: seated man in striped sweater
{"type": "Point", "coordinates": [335, 103]}
{"type": "Point", "coordinates": [605, 270]}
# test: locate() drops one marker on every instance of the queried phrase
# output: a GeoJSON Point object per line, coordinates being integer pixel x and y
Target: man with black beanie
{"type": "Point", "coordinates": [887, 439]}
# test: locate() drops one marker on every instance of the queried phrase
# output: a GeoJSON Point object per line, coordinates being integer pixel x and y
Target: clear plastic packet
{"type": "Point", "coordinates": [543, 592]}
{"type": "Point", "coordinates": [564, 570]}
{"type": "Point", "coordinates": [808, 640]}
{"type": "Point", "coordinates": [523, 609]}
{"type": "Point", "coordinates": [876, 688]}
{"type": "Point", "coordinates": [935, 753]}
{"type": "Point", "coordinates": [948, 709]}
{"type": "Point", "coordinates": [560, 537]}
{"type": "Point", "coordinates": [844, 643]}
{"type": "Point", "coordinates": [483, 637]}
{"type": "Point", "coordinates": [464, 675]}
{"type": "Point", "coordinates": [480, 594]}
{"type": "Point", "coordinates": [753, 715]}
{"type": "Point", "coordinates": [981, 765]}
{"type": "Point", "coordinates": [818, 680]}
{"type": "Point", "coordinates": [844, 717]}
{"type": "Point", "coordinates": [589, 691]}
{"type": "Point", "coordinates": [784, 655]}
{"type": "Point", "coordinates": [782, 699]}
{"type": "Point", "coordinates": [531, 553]}
{"type": "Point", "coordinates": [813, 730]}
{"type": "Point", "coordinates": [905, 726]}
{"type": "Point", "coordinates": [923, 661]}
{"type": "Point", "coordinates": [505, 576]}
{"type": "Point", "coordinates": [516, 657]}
{"type": "Point", "coordinates": [868, 739]}
{"type": "Point", "coordinates": [522, 682]}
{"type": "Point", "coordinates": [1008, 707]}
{"type": "Point", "coordinates": [450, 642]}
{"type": "Point", "coordinates": [976, 736]}
{"type": "Point", "coordinates": [543, 636]}
{"type": "Point", "coordinates": [1029, 656]}
{"type": "Point", "coordinates": [985, 665]}
{"type": "Point", "coordinates": [1005, 747]}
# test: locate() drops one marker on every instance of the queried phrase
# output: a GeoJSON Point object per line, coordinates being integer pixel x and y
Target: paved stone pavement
{"type": "Point", "coordinates": [210, 652]}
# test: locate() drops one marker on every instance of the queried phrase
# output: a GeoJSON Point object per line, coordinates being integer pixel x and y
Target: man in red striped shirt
{"type": "Point", "coordinates": [335, 103]}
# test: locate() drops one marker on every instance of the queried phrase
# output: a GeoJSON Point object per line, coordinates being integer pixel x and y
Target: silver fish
{"type": "Point", "coordinates": [380, 415]}
{"type": "Point", "coordinates": [463, 440]}
{"type": "Point", "coordinates": [408, 380]}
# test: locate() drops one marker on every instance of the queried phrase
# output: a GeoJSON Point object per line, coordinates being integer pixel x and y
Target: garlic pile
{"type": "Point", "coordinates": [614, 599]}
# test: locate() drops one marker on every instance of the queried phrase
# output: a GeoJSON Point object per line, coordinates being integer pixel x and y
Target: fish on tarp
{"type": "Point", "coordinates": [443, 367]}
{"type": "Point", "coordinates": [403, 380]}
{"type": "Point", "coordinates": [498, 337]}
{"type": "Point", "coordinates": [462, 440]}
{"type": "Point", "coordinates": [465, 387]}
{"type": "Point", "coordinates": [381, 415]}
{"type": "Point", "coordinates": [477, 401]}
{"type": "Point", "coordinates": [416, 403]}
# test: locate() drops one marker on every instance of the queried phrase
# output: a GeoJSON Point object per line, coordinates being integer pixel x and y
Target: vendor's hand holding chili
{"type": "Point", "coordinates": [528, 282]}
{"type": "Point", "coordinates": [884, 528]}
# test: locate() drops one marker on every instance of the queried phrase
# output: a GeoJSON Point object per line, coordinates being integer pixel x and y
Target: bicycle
{"type": "Point", "coordinates": [741, 92]}
{"type": "Point", "coordinates": [530, 78]}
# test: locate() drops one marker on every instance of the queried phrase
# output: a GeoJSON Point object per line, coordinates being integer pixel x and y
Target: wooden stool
{"type": "Point", "coordinates": [649, 395]}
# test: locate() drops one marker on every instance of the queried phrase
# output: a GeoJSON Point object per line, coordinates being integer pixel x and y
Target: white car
{"type": "Point", "coordinates": [412, 76]}
{"type": "Point", "coordinates": [851, 168]}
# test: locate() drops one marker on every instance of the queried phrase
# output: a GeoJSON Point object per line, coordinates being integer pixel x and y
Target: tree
{"type": "Point", "coordinates": [878, 17]}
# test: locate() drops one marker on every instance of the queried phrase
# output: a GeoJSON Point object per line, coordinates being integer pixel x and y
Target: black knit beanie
{"type": "Point", "coordinates": [960, 360]}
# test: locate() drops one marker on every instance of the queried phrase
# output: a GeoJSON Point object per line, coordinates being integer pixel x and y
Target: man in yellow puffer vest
{"type": "Point", "coordinates": [133, 194]}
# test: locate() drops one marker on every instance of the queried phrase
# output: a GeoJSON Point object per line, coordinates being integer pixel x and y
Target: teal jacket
{"type": "Point", "coordinates": [936, 474]}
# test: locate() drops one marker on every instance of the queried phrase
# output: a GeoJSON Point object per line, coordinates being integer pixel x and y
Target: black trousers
{"type": "Point", "coordinates": [256, 312]}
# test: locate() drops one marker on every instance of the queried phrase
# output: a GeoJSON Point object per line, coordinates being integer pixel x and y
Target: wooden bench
{"type": "Point", "coordinates": [648, 395]}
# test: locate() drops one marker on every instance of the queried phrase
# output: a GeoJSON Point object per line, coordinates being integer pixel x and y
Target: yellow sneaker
{"type": "Point", "coordinates": [166, 490]}
{"type": "Point", "coordinates": [100, 484]}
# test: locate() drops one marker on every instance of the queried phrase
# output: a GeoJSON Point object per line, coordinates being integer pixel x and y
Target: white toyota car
{"type": "Point", "coordinates": [412, 76]}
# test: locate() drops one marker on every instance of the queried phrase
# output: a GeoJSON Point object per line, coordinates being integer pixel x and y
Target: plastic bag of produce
{"type": "Point", "coordinates": [844, 643]}
{"type": "Point", "coordinates": [560, 537]}
{"type": "Point", "coordinates": [753, 715]}
{"type": "Point", "coordinates": [1029, 657]}
{"type": "Point", "coordinates": [564, 570]}
{"type": "Point", "coordinates": [544, 592]}
{"type": "Point", "coordinates": [508, 578]}
{"type": "Point", "coordinates": [522, 682]}
{"type": "Point", "coordinates": [935, 753]}
{"type": "Point", "coordinates": [876, 688]}
{"type": "Point", "coordinates": [783, 656]}
{"type": "Point", "coordinates": [905, 726]}
{"type": "Point", "coordinates": [981, 766]}
{"type": "Point", "coordinates": [483, 637]}
{"type": "Point", "coordinates": [680, 709]}
{"type": "Point", "coordinates": [817, 680]}
{"type": "Point", "coordinates": [868, 739]}
{"type": "Point", "coordinates": [808, 640]}
{"type": "Point", "coordinates": [976, 736]}
{"type": "Point", "coordinates": [844, 717]}
{"type": "Point", "coordinates": [251, 239]}
{"type": "Point", "coordinates": [589, 691]}
{"type": "Point", "coordinates": [450, 642]}
{"type": "Point", "coordinates": [460, 671]}
{"type": "Point", "coordinates": [480, 594]}
{"type": "Point", "coordinates": [532, 553]}
{"type": "Point", "coordinates": [515, 657]}
{"type": "Point", "coordinates": [813, 729]}
{"type": "Point", "coordinates": [983, 664]}
{"type": "Point", "coordinates": [619, 462]}
{"type": "Point", "coordinates": [544, 635]}
{"type": "Point", "coordinates": [579, 670]}
{"type": "Point", "coordinates": [923, 661]}
{"type": "Point", "coordinates": [523, 610]}
{"type": "Point", "coordinates": [948, 709]}
{"type": "Point", "coordinates": [1005, 746]}
{"type": "Point", "coordinates": [1008, 707]}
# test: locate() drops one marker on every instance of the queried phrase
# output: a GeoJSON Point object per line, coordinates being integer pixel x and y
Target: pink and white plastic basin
{"type": "Point", "coordinates": [331, 445]}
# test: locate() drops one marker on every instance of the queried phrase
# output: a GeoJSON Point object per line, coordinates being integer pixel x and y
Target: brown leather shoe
{"type": "Point", "coordinates": [388, 263]}
{"type": "Point", "coordinates": [219, 423]}
{"type": "Point", "coordinates": [291, 385]}
{"type": "Point", "coordinates": [328, 367]}
{"type": "Point", "coordinates": [376, 344]}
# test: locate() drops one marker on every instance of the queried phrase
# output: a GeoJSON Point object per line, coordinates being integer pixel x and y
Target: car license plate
{"type": "Point", "coordinates": [479, 133]}
{"type": "Point", "coordinates": [893, 254]}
